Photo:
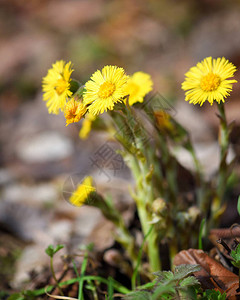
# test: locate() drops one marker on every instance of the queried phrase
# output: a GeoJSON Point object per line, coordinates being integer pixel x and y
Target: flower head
{"type": "Point", "coordinates": [82, 193]}
{"type": "Point", "coordinates": [74, 110]}
{"type": "Point", "coordinates": [86, 126]}
{"type": "Point", "coordinates": [209, 80]}
{"type": "Point", "coordinates": [56, 86]}
{"type": "Point", "coordinates": [138, 85]}
{"type": "Point", "coordinates": [105, 88]}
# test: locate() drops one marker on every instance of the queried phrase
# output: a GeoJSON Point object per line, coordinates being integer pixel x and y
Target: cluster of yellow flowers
{"type": "Point", "coordinates": [207, 81]}
{"type": "Point", "coordinates": [101, 93]}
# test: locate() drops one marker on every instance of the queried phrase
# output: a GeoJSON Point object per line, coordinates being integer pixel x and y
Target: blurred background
{"type": "Point", "coordinates": [38, 153]}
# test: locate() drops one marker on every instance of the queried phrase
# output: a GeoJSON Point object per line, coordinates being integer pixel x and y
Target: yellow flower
{"type": "Point", "coordinates": [56, 86]}
{"type": "Point", "coordinates": [82, 193]}
{"type": "Point", "coordinates": [105, 89]}
{"type": "Point", "coordinates": [138, 85]}
{"type": "Point", "coordinates": [86, 126]}
{"type": "Point", "coordinates": [209, 80]}
{"type": "Point", "coordinates": [74, 110]}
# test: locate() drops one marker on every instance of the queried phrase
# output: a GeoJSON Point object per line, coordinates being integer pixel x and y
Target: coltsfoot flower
{"type": "Point", "coordinates": [105, 88]}
{"type": "Point", "coordinates": [138, 86]}
{"type": "Point", "coordinates": [86, 126]}
{"type": "Point", "coordinates": [82, 194]}
{"type": "Point", "coordinates": [74, 110]}
{"type": "Point", "coordinates": [209, 81]}
{"type": "Point", "coordinates": [56, 86]}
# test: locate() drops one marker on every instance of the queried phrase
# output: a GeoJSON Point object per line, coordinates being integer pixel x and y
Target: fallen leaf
{"type": "Point", "coordinates": [212, 275]}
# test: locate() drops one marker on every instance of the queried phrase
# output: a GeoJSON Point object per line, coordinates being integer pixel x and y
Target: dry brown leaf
{"type": "Point", "coordinates": [212, 275]}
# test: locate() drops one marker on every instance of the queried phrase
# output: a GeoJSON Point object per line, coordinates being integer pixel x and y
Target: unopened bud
{"type": "Point", "coordinates": [194, 213]}
{"type": "Point", "coordinates": [159, 207]}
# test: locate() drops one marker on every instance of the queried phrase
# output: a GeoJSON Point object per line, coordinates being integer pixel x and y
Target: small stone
{"type": "Point", "coordinates": [33, 194]}
{"type": "Point", "coordinates": [5, 177]}
{"type": "Point", "coordinates": [44, 147]}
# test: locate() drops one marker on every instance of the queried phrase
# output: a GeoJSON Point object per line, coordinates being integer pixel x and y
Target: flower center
{"type": "Point", "coordinates": [133, 89]}
{"type": "Point", "coordinates": [210, 82]}
{"type": "Point", "coordinates": [106, 90]}
{"type": "Point", "coordinates": [61, 86]}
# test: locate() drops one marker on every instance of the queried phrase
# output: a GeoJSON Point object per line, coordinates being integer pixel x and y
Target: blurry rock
{"type": "Point", "coordinates": [216, 35]}
{"type": "Point", "coordinates": [21, 49]}
{"type": "Point", "coordinates": [71, 14]}
{"type": "Point", "coordinates": [116, 259]}
{"type": "Point", "coordinates": [194, 121]}
{"type": "Point", "coordinates": [102, 235]}
{"type": "Point", "coordinates": [87, 220]}
{"type": "Point", "coordinates": [32, 194]}
{"type": "Point", "coordinates": [22, 221]}
{"type": "Point", "coordinates": [208, 155]}
{"type": "Point", "coordinates": [5, 177]}
{"type": "Point", "coordinates": [60, 231]}
{"type": "Point", "coordinates": [44, 147]}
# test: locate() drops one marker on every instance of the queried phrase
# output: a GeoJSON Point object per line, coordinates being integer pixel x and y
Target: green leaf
{"type": "Point", "coordinates": [16, 296]}
{"type": "Point", "coordinates": [236, 256]}
{"type": "Point", "coordinates": [51, 250]}
{"type": "Point", "coordinates": [138, 295]}
{"type": "Point", "coordinates": [58, 247]}
{"type": "Point", "coordinates": [75, 86]}
{"type": "Point", "coordinates": [183, 271]}
{"type": "Point", "coordinates": [189, 281]}
{"type": "Point", "coordinates": [28, 295]}
{"type": "Point", "coordinates": [3, 295]}
{"type": "Point", "coordinates": [238, 205]}
{"type": "Point", "coordinates": [146, 286]}
{"type": "Point", "coordinates": [236, 264]}
{"type": "Point", "coordinates": [213, 295]}
{"type": "Point", "coordinates": [165, 291]}
{"type": "Point", "coordinates": [164, 276]}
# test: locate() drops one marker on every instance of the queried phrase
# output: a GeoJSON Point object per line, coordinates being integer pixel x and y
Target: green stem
{"type": "Point", "coordinates": [144, 195]}
{"type": "Point", "coordinates": [224, 144]}
{"type": "Point", "coordinates": [217, 205]}
{"type": "Point", "coordinates": [136, 156]}
{"type": "Point", "coordinates": [54, 276]}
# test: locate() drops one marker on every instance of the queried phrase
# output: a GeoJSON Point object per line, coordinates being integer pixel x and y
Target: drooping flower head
{"type": "Point", "coordinates": [56, 86]}
{"type": "Point", "coordinates": [105, 88]}
{"type": "Point", "coordinates": [138, 85]}
{"type": "Point", "coordinates": [82, 194]}
{"type": "Point", "coordinates": [86, 126]}
{"type": "Point", "coordinates": [74, 110]}
{"type": "Point", "coordinates": [209, 81]}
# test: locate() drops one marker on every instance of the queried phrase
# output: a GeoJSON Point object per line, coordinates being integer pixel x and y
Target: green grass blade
{"type": "Point", "coordinates": [110, 288]}
{"type": "Point", "coordinates": [135, 272]}
{"type": "Point", "coordinates": [116, 285]}
{"type": "Point", "coordinates": [202, 225]}
{"type": "Point", "coordinates": [83, 269]}
{"type": "Point", "coordinates": [238, 205]}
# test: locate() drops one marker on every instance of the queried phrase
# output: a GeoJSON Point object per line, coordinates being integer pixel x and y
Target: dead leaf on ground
{"type": "Point", "coordinates": [212, 275]}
